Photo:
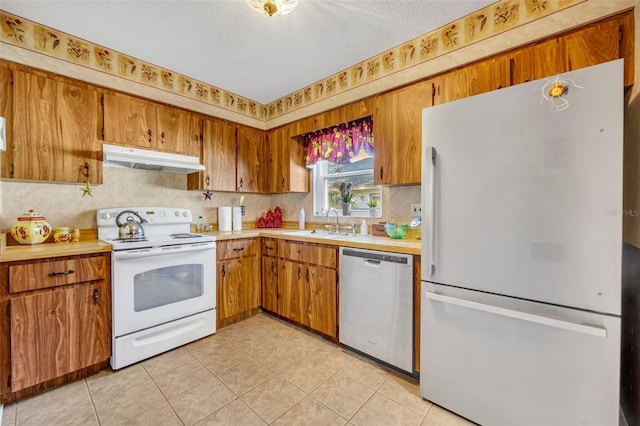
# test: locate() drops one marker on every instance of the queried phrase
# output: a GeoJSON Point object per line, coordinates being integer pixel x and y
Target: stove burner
{"type": "Point", "coordinates": [185, 235]}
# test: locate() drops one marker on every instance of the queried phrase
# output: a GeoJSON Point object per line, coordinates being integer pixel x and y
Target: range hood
{"type": "Point", "coordinates": [137, 158]}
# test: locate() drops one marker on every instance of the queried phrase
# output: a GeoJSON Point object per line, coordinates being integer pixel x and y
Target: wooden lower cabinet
{"type": "Point", "coordinates": [58, 322]}
{"type": "Point", "coordinates": [237, 280]}
{"type": "Point", "coordinates": [55, 333]}
{"type": "Point", "coordinates": [306, 292]}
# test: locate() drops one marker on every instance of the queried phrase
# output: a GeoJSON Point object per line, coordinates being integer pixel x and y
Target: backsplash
{"type": "Point", "coordinates": [64, 205]}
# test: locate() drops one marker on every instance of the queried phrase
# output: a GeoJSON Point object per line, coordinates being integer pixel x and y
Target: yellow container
{"type": "Point", "coordinates": [32, 228]}
{"type": "Point", "coordinates": [61, 235]}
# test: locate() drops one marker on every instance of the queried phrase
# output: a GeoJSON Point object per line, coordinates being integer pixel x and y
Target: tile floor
{"type": "Point", "coordinates": [258, 371]}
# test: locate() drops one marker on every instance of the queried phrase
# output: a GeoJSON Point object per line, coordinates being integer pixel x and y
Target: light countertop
{"type": "Point", "coordinates": [42, 251]}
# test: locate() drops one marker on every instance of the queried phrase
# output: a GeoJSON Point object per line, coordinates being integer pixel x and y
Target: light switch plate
{"type": "Point", "coordinates": [416, 209]}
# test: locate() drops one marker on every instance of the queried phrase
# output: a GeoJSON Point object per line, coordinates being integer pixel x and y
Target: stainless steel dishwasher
{"type": "Point", "coordinates": [376, 305]}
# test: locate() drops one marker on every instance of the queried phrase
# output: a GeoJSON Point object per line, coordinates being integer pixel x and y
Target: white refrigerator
{"type": "Point", "coordinates": [521, 252]}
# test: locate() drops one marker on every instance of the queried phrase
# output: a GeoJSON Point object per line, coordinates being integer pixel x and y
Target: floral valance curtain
{"type": "Point", "coordinates": [341, 143]}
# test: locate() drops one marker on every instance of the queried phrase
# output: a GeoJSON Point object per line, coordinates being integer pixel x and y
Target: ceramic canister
{"type": "Point", "coordinates": [32, 228]}
{"type": "Point", "coordinates": [61, 235]}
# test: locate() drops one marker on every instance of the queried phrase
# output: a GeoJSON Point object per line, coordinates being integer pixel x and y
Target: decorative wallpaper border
{"type": "Point", "coordinates": [487, 22]}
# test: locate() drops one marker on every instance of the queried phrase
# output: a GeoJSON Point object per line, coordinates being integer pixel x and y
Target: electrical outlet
{"type": "Point", "coordinates": [416, 209]}
{"type": "Point", "coordinates": [242, 210]}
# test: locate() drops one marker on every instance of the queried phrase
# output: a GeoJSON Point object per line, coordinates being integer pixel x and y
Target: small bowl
{"type": "Point", "coordinates": [396, 230]}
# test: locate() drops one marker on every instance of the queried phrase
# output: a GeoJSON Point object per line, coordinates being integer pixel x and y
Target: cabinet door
{"type": "Point", "coordinates": [238, 286]}
{"type": "Point", "coordinates": [57, 332]}
{"type": "Point", "coordinates": [91, 324]}
{"type": "Point", "coordinates": [218, 156]}
{"type": "Point", "coordinates": [540, 60]}
{"type": "Point", "coordinates": [593, 45]}
{"type": "Point", "coordinates": [270, 283]}
{"type": "Point", "coordinates": [79, 144]}
{"type": "Point", "coordinates": [291, 298]}
{"type": "Point", "coordinates": [320, 296]}
{"type": "Point", "coordinates": [54, 131]}
{"type": "Point", "coordinates": [129, 121]}
{"type": "Point", "coordinates": [35, 146]}
{"type": "Point", "coordinates": [277, 161]}
{"type": "Point", "coordinates": [40, 336]}
{"type": "Point", "coordinates": [398, 134]}
{"type": "Point", "coordinates": [477, 78]}
{"type": "Point", "coordinates": [250, 160]}
{"type": "Point", "coordinates": [178, 131]}
{"type": "Point", "coordinates": [228, 285]}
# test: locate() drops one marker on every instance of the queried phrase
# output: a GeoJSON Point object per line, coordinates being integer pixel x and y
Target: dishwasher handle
{"type": "Point", "coordinates": [372, 256]}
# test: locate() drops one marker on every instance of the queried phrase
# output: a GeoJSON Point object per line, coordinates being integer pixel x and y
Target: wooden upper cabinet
{"type": "Point", "coordinates": [218, 157]}
{"type": "Point", "coordinates": [397, 130]}
{"type": "Point", "coordinates": [285, 171]}
{"type": "Point", "coordinates": [476, 78]}
{"type": "Point", "coordinates": [178, 131]}
{"type": "Point", "coordinates": [139, 123]}
{"type": "Point", "coordinates": [129, 121]}
{"type": "Point", "coordinates": [250, 162]}
{"type": "Point", "coordinates": [540, 60]}
{"type": "Point", "coordinates": [54, 130]}
{"type": "Point", "coordinates": [593, 45]}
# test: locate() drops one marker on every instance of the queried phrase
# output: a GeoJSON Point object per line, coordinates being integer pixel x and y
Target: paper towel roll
{"type": "Point", "coordinates": [224, 218]}
{"type": "Point", "coordinates": [237, 218]}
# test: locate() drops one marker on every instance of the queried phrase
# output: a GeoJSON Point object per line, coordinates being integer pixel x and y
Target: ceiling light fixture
{"type": "Point", "coordinates": [273, 7]}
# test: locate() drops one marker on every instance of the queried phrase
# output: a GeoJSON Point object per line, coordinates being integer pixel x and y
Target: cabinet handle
{"type": "Point", "coordinates": [86, 170]}
{"type": "Point", "coordinates": [224, 271]}
{"type": "Point", "coordinates": [268, 247]}
{"type": "Point", "coordinates": [381, 172]}
{"type": "Point", "coordinates": [307, 275]}
{"type": "Point", "coordinates": [150, 134]}
{"type": "Point", "coordinates": [241, 183]}
{"type": "Point", "coordinates": [208, 180]}
{"type": "Point", "coordinates": [55, 274]}
{"type": "Point", "coordinates": [283, 183]}
{"type": "Point", "coordinates": [96, 296]}
{"type": "Point", "coordinates": [298, 272]}
{"type": "Point", "coordinates": [161, 137]}
{"type": "Point", "coordinates": [11, 170]}
{"type": "Point", "coordinates": [238, 249]}
{"type": "Point", "coordinates": [273, 267]}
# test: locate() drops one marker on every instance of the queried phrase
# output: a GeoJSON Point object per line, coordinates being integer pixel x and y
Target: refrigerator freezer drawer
{"type": "Point", "coordinates": [498, 360]}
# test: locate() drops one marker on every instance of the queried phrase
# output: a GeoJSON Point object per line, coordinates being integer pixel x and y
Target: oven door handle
{"type": "Point", "coordinates": [161, 251]}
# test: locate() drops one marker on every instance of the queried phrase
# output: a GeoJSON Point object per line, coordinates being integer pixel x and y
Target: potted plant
{"type": "Point", "coordinates": [345, 198]}
{"type": "Point", "coordinates": [373, 208]}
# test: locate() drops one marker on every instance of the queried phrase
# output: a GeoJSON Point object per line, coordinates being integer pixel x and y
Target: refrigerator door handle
{"type": "Point", "coordinates": [551, 322]}
{"type": "Point", "coordinates": [431, 152]}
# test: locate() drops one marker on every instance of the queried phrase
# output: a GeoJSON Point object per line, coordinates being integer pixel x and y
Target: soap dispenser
{"type": "Point", "coordinates": [364, 229]}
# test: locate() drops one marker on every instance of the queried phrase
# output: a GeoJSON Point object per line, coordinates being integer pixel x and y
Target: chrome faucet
{"type": "Point", "coordinates": [337, 218]}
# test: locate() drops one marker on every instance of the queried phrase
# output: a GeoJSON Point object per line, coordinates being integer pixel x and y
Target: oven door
{"type": "Point", "coordinates": [156, 285]}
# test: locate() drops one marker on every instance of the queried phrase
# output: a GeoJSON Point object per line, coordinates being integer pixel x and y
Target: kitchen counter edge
{"type": "Point", "coordinates": [404, 246]}
{"type": "Point", "coordinates": [44, 251]}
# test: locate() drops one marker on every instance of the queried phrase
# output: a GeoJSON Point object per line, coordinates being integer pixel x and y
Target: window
{"type": "Point", "coordinates": [343, 155]}
{"type": "Point", "coordinates": [327, 178]}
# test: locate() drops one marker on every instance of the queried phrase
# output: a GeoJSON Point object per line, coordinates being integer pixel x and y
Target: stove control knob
{"type": "Point", "coordinates": [177, 213]}
{"type": "Point", "coordinates": [184, 213]}
{"type": "Point", "coordinates": [106, 215]}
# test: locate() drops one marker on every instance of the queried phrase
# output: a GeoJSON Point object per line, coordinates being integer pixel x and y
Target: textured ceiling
{"type": "Point", "coordinates": [228, 45]}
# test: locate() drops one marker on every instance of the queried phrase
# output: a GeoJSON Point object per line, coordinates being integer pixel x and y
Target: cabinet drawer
{"type": "Point", "coordinates": [269, 247]}
{"type": "Point", "coordinates": [47, 274]}
{"type": "Point", "coordinates": [231, 249]}
{"type": "Point", "coordinates": [308, 253]}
